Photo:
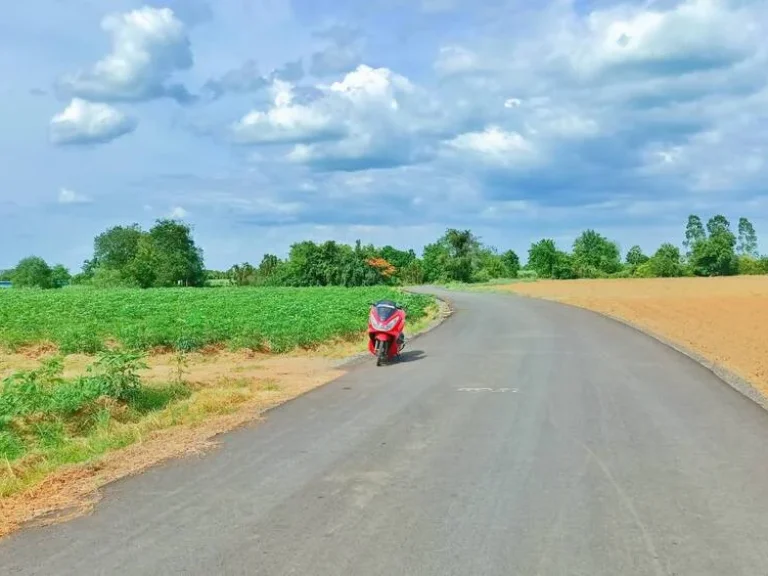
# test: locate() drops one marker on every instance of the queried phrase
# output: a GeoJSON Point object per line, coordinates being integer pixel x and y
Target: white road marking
{"type": "Point", "coordinates": [513, 390]}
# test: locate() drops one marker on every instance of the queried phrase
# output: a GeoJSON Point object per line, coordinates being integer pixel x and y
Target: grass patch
{"type": "Point", "coordinates": [47, 421]}
{"type": "Point", "coordinates": [186, 319]}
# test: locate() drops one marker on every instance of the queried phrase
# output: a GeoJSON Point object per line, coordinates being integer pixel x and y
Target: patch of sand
{"type": "Point", "coordinates": [723, 319]}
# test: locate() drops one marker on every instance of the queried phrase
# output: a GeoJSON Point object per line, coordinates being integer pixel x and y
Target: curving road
{"type": "Point", "coordinates": [596, 451]}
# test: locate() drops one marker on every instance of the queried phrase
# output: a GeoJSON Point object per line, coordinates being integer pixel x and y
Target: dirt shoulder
{"type": "Point", "coordinates": [229, 389]}
{"type": "Point", "coordinates": [722, 319]}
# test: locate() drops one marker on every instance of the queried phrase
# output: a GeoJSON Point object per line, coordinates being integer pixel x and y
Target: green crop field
{"type": "Point", "coordinates": [275, 319]}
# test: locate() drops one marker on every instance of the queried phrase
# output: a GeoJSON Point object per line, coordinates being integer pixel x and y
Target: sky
{"type": "Point", "coordinates": [265, 122]}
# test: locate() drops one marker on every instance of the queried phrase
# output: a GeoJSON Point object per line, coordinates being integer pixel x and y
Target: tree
{"type": "Point", "coordinates": [32, 272]}
{"type": "Point", "coordinates": [268, 265]}
{"type": "Point", "coordinates": [176, 258]}
{"type": "Point", "coordinates": [398, 258]}
{"type": "Point", "coordinates": [413, 273]}
{"type": "Point", "coordinates": [543, 257]}
{"type": "Point", "coordinates": [115, 248]}
{"type": "Point", "coordinates": [592, 250]}
{"type": "Point", "coordinates": [666, 262]}
{"type": "Point", "coordinates": [242, 274]}
{"type": "Point", "coordinates": [747, 245]}
{"type": "Point", "coordinates": [60, 276]}
{"type": "Point", "coordinates": [144, 267]}
{"type": "Point", "coordinates": [512, 262]}
{"type": "Point", "coordinates": [635, 257]}
{"type": "Point", "coordinates": [694, 232]}
{"type": "Point", "coordinates": [434, 262]}
{"type": "Point", "coordinates": [715, 256]}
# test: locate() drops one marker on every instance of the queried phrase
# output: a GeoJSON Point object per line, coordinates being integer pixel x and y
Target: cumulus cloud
{"type": "Point", "coordinates": [367, 119]}
{"type": "Point", "coordinates": [493, 145]}
{"type": "Point", "coordinates": [287, 122]}
{"type": "Point", "coordinates": [67, 196]}
{"type": "Point", "coordinates": [85, 122]}
{"type": "Point", "coordinates": [149, 45]}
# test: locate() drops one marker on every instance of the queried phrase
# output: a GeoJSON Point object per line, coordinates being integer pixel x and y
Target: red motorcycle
{"type": "Point", "coordinates": [386, 323]}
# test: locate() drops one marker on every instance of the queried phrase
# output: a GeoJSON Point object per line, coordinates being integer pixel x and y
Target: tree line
{"type": "Point", "coordinates": [166, 255]}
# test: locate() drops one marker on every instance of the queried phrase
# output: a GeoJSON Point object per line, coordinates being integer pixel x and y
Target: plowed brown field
{"type": "Point", "coordinates": [723, 319]}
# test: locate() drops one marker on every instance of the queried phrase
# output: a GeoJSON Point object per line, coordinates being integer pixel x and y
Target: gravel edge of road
{"type": "Point", "coordinates": [729, 377]}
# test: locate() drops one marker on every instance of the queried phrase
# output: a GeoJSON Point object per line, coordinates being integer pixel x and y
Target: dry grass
{"type": "Point", "coordinates": [228, 390]}
{"type": "Point", "coordinates": [723, 319]}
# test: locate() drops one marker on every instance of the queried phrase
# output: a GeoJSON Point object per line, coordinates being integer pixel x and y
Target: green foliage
{"type": "Point", "coordinates": [127, 256]}
{"type": "Point", "coordinates": [511, 262]}
{"type": "Point", "coordinates": [747, 243]}
{"type": "Point", "coordinates": [60, 276]}
{"type": "Point", "coordinates": [42, 411]}
{"type": "Point", "coordinates": [262, 318]}
{"type": "Point", "coordinates": [635, 257]}
{"type": "Point", "coordinates": [750, 266]}
{"type": "Point", "coordinates": [694, 232]}
{"type": "Point", "coordinates": [526, 274]}
{"type": "Point", "coordinates": [543, 258]}
{"type": "Point", "coordinates": [594, 255]}
{"type": "Point", "coordinates": [32, 272]}
{"type": "Point", "coordinates": [714, 255]}
{"type": "Point", "coordinates": [666, 262]}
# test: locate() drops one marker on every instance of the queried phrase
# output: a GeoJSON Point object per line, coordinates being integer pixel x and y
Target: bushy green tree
{"type": "Point", "coordinates": [715, 255]}
{"type": "Point", "coordinates": [543, 257]}
{"type": "Point", "coordinates": [178, 261]}
{"type": "Point", "coordinates": [32, 272]}
{"type": "Point", "coordinates": [115, 248]}
{"type": "Point", "coordinates": [60, 276]}
{"type": "Point", "coordinates": [595, 255]}
{"type": "Point", "coordinates": [512, 263]}
{"type": "Point", "coordinates": [666, 262]}
{"type": "Point", "coordinates": [635, 257]}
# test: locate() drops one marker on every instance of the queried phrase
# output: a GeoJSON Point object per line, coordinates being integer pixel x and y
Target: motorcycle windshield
{"type": "Point", "coordinates": [385, 310]}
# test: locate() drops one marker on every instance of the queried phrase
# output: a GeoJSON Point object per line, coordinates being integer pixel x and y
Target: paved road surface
{"type": "Point", "coordinates": [608, 454]}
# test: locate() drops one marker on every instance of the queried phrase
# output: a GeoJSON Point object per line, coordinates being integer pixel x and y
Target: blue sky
{"type": "Point", "coordinates": [265, 122]}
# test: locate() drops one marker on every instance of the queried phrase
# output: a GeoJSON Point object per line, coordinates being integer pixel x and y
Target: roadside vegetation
{"type": "Point", "coordinates": [260, 319]}
{"type": "Point", "coordinates": [167, 256]}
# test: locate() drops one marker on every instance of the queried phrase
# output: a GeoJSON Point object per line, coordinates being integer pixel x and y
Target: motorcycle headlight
{"type": "Point", "coordinates": [383, 326]}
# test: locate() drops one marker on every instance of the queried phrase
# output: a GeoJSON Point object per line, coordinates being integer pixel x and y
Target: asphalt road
{"type": "Point", "coordinates": [596, 451]}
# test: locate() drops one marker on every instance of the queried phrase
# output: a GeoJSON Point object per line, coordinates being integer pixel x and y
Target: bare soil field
{"type": "Point", "coordinates": [723, 319]}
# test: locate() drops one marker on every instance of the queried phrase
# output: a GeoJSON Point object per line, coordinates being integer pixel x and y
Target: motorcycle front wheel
{"type": "Point", "coordinates": [381, 352]}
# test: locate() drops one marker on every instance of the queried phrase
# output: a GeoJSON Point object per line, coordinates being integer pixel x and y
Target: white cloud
{"type": "Point", "coordinates": [494, 145]}
{"type": "Point", "coordinates": [369, 118]}
{"type": "Point", "coordinates": [148, 46]}
{"type": "Point", "coordinates": [695, 34]}
{"type": "Point", "coordinates": [287, 122]}
{"type": "Point", "coordinates": [89, 123]}
{"type": "Point", "coordinates": [67, 196]}
{"type": "Point", "coordinates": [178, 213]}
